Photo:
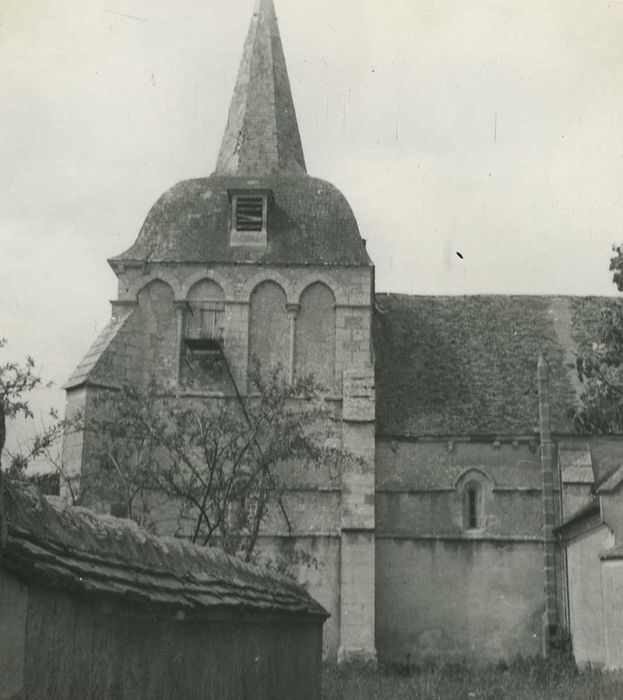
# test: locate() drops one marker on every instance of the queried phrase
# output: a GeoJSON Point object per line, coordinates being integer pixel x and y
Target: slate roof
{"type": "Point", "coordinates": [309, 223]}
{"type": "Point", "coordinates": [466, 365]}
{"type": "Point", "coordinates": [613, 553]}
{"type": "Point", "coordinates": [262, 135]}
{"type": "Point", "coordinates": [56, 545]}
{"type": "Point", "coordinates": [585, 518]}
{"type": "Point", "coordinates": [93, 366]}
{"type": "Point", "coordinates": [612, 483]}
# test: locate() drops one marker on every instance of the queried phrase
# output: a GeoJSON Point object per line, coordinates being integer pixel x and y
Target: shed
{"type": "Point", "coordinates": [95, 607]}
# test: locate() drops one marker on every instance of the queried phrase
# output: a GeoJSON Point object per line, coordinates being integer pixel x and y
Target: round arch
{"type": "Point", "coordinates": [214, 275]}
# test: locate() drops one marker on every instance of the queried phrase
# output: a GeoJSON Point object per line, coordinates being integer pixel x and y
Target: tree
{"type": "Point", "coordinates": [600, 366]}
{"type": "Point", "coordinates": [16, 381]}
{"type": "Point", "coordinates": [217, 460]}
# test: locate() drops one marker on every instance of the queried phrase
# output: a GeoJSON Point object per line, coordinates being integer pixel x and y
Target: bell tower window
{"type": "Point", "coordinates": [249, 216]}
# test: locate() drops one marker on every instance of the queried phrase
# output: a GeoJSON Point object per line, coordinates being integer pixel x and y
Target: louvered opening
{"type": "Point", "coordinates": [249, 212]}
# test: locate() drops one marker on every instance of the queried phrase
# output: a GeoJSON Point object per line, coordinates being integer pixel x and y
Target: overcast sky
{"type": "Point", "coordinates": [492, 128]}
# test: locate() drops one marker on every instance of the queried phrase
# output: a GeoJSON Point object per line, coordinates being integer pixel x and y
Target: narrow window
{"type": "Point", "coordinates": [472, 506]}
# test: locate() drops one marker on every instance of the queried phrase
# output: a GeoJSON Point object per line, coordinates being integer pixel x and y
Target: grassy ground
{"type": "Point", "coordinates": [523, 680]}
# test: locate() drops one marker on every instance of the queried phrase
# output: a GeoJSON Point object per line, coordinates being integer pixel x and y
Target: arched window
{"type": "Point", "coordinates": [315, 334]}
{"type": "Point", "coordinates": [269, 327]}
{"type": "Point", "coordinates": [472, 506]}
{"type": "Point", "coordinates": [201, 363]}
{"type": "Point", "coordinates": [474, 498]}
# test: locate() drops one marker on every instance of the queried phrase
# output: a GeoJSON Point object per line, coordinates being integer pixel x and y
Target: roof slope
{"type": "Point", "coordinates": [72, 548]}
{"type": "Point", "coordinates": [309, 222]}
{"type": "Point", "coordinates": [262, 135]}
{"type": "Point", "coordinates": [467, 365]}
{"type": "Point", "coordinates": [94, 366]}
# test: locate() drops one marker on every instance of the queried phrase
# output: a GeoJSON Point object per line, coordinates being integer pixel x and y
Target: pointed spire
{"type": "Point", "coordinates": [262, 135]}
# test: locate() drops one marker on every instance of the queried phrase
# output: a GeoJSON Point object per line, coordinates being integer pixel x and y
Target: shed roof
{"type": "Point", "coordinates": [467, 365]}
{"type": "Point", "coordinates": [309, 223]}
{"type": "Point", "coordinates": [613, 553]}
{"type": "Point", "coordinates": [57, 545]}
{"type": "Point", "coordinates": [611, 483]}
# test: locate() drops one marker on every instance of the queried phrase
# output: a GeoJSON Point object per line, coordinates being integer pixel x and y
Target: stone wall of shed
{"type": "Point", "coordinates": [79, 648]}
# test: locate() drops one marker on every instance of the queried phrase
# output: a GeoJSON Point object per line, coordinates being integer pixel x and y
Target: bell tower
{"type": "Point", "coordinates": [262, 260]}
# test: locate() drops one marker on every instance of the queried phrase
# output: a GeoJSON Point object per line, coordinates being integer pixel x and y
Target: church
{"type": "Point", "coordinates": [448, 538]}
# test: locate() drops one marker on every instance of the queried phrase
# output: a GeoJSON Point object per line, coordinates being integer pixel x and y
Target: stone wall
{"type": "Point", "coordinates": [445, 589]}
{"type": "Point", "coordinates": [307, 319]}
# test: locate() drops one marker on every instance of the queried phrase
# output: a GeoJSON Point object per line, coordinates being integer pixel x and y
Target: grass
{"type": "Point", "coordinates": [536, 679]}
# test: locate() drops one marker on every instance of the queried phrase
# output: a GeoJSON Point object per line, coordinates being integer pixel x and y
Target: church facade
{"type": "Point", "coordinates": [440, 541]}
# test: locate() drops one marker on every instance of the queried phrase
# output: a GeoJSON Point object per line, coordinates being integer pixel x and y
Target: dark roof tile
{"type": "Point", "coordinates": [309, 223]}
{"type": "Point", "coordinates": [466, 365]}
{"type": "Point", "coordinates": [60, 546]}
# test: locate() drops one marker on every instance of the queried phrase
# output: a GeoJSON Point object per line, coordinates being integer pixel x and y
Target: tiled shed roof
{"type": "Point", "coordinates": [57, 545]}
{"type": "Point", "coordinates": [467, 365]}
{"type": "Point", "coordinates": [309, 223]}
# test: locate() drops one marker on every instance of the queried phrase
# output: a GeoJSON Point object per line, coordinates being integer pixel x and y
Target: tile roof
{"type": "Point", "coordinates": [57, 545]}
{"type": "Point", "coordinates": [309, 223]}
{"type": "Point", "coordinates": [467, 365]}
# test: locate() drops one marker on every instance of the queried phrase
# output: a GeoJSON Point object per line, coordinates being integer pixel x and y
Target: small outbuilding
{"type": "Point", "coordinates": [593, 541]}
{"type": "Point", "coordinates": [95, 607]}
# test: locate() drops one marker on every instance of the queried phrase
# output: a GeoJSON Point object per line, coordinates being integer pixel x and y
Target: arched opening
{"type": "Point", "coordinates": [205, 311]}
{"type": "Point", "coordinates": [159, 331]}
{"type": "Point", "coordinates": [315, 334]}
{"type": "Point", "coordinates": [202, 364]}
{"type": "Point", "coordinates": [269, 327]}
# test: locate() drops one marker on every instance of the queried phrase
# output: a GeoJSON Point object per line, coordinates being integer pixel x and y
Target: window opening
{"type": "Point", "coordinates": [472, 506]}
{"type": "Point", "coordinates": [249, 217]}
{"type": "Point", "coordinates": [249, 212]}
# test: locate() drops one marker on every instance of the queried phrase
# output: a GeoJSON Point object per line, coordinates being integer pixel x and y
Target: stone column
{"type": "Point", "coordinates": [550, 617]}
{"type": "Point", "coordinates": [357, 605]}
{"type": "Point", "coordinates": [180, 307]}
{"type": "Point", "coordinates": [293, 310]}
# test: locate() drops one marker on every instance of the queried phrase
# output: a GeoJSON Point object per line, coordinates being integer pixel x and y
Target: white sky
{"type": "Point", "coordinates": [492, 128]}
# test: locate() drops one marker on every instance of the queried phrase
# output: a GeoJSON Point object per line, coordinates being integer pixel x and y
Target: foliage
{"type": "Point", "coordinates": [16, 381]}
{"type": "Point", "coordinates": [523, 679]}
{"type": "Point", "coordinates": [216, 460]}
{"type": "Point", "coordinates": [600, 367]}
